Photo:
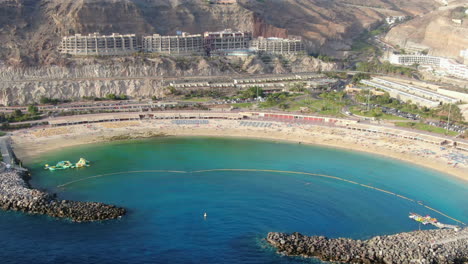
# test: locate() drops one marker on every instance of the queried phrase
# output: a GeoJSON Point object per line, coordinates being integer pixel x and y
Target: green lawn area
{"type": "Point", "coordinates": [425, 127]}
{"type": "Point", "coordinates": [243, 105]}
{"type": "Point", "coordinates": [2, 133]}
{"type": "Point", "coordinates": [358, 111]}
{"type": "Point", "coordinates": [198, 99]}
{"type": "Point", "coordinates": [323, 107]}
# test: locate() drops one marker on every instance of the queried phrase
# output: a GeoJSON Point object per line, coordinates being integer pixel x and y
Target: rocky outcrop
{"type": "Point", "coordinates": [135, 77]}
{"type": "Point", "coordinates": [263, 29]}
{"type": "Point", "coordinates": [17, 195]}
{"type": "Point", "coordinates": [430, 246]}
{"type": "Point", "coordinates": [436, 32]}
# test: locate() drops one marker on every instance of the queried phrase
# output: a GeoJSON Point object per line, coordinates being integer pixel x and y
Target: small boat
{"type": "Point", "coordinates": [63, 165]}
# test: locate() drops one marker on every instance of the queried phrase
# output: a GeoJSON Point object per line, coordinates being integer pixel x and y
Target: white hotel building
{"type": "Point", "coordinates": [450, 67]}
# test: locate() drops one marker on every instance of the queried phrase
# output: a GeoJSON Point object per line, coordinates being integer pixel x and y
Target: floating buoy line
{"type": "Point", "coordinates": [264, 170]}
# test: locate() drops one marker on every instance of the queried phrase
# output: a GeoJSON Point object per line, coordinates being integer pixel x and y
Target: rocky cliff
{"type": "Point", "coordinates": [30, 30]}
{"type": "Point", "coordinates": [443, 32]}
{"type": "Point", "coordinates": [135, 77]}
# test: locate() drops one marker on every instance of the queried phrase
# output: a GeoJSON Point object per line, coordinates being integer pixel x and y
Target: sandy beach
{"type": "Point", "coordinates": [32, 142]}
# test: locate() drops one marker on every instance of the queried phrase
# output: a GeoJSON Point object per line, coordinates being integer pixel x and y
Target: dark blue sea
{"type": "Point", "coordinates": [165, 222]}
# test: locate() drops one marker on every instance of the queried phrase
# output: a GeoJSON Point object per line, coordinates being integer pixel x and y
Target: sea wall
{"type": "Point", "coordinates": [429, 246]}
{"type": "Point", "coordinates": [17, 195]}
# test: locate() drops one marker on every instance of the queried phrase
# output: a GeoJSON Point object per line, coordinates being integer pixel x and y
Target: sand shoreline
{"type": "Point", "coordinates": [31, 143]}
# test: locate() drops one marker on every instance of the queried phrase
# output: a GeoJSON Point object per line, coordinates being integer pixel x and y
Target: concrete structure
{"type": "Point", "coordinates": [401, 95]}
{"type": "Point", "coordinates": [415, 48]}
{"type": "Point", "coordinates": [99, 45]}
{"type": "Point", "coordinates": [464, 55]}
{"type": "Point", "coordinates": [427, 94]}
{"type": "Point", "coordinates": [414, 59]}
{"type": "Point", "coordinates": [394, 19]}
{"type": "Point", "coordinates": [455, 69]}
{"type": "Point", "coordinates": [448, 66]}
{"type": "Point", "coordinates": [351, 89]}
{"type": "Point", "coordinates": [183, 44]}
{"type": "Point", "coordinates": [277, 45]}
{"type": "Point", "coordinates": [226, 40]}
{"type": "Point", "coordinates": [225, 43]}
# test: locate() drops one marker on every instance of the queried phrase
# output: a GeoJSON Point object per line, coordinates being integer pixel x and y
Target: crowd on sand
{"type": "Point", "coordinates": [31, 142]}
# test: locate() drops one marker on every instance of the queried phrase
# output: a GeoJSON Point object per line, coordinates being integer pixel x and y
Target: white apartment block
{"type": "Point", "coordinates": [277, 45]}
{"type": "Point", "coordinates": [183, 44]}
{"type": "Point", "coordinates": [450, 67]}
{"type": "Point", "coordinates": [414, 59]}
{"type": "Point", "coordinates": [99, 45]}
{"type": "Point", "coordinates": [227, 40]}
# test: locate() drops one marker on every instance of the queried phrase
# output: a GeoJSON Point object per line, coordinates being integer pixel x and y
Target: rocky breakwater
{"type": "Point", "coordinates": [429, 246]}
{"type": "Point", "coordinates": [17, 195]}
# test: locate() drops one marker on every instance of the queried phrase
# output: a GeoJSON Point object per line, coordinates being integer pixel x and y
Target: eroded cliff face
{"type": "Point", "coordinates": [30, 30]}
{"type": "Point", "coordinates": [137, 77]}
{"type": "Point", "coordinates": [436, 31]}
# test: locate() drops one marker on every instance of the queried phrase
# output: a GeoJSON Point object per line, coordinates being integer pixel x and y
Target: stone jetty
{"type": "Point", "coordinates": [16, 194]}
{"type": "Point", "coordinates": [429, 246]}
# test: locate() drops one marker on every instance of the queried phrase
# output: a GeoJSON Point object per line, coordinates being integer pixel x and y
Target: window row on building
{"type": "Point", "coordinates": [96, 44]}
{"type": "Point", "coordinates": [225, 42]}
{"type": "Point", "coordinates": [448, 66]}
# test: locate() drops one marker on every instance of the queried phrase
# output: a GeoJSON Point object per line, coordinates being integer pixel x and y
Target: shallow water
{"type": "Point", "coordinates": [165, 222]}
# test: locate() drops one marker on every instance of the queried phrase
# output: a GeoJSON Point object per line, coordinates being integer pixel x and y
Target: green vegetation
{"type": "Point", "coordinates": [33, 110]}
{"type": "Point", "coordinates": [360, 76]}
{"type": "Point", "coordinates": [276, 100]}
{"type": "Point", "coordinates": [298, 87]}
{"type": "Point", "coordinates": [116, 97]}
{"type": "Point", "coordinates": [458, 13]}
{"type": "Point", "coordinates": [47, 100]}
{"type": "Point", "coordinates": [252, 92]}
{"type": "Point", "coordinates": [385, 67]}
{"type": "Point", "coordinates": [374, 112]}
{"type": "Point", "coordinates": [108, 97]}
{"type": "Point", "coordinates": [326, 58]}
{"type": "Point", "coordinates": [197, 99]}
{"type": "Point", "coordinates": [382, 29]}
{"type": "Point", "coordinates": [172, 90]}
{"type": "Point", "coordinates": [19, 116]}
{"type": "Point", "coordinates": [203, 93]}
{"type": "Point", "coordinates": [336, 75]}
{"type": "Point", "coordinates": [439, 113]}
{"type": "Point", "coordinates": [425, 127]}
{"type": "Point", "coordinates": [243, 105]}
{"type": "Point", "coordinates": [363, 45]}
{"type": "Point", "coordinates": [8, 126]}
{"type": "Point", "coordinates": [331, 104]}
{"type": "Point", "coordinates": [2, 133]}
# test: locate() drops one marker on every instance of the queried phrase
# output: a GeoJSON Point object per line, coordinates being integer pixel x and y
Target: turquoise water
{"type": "Point", "coordinates": [165, 221]}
